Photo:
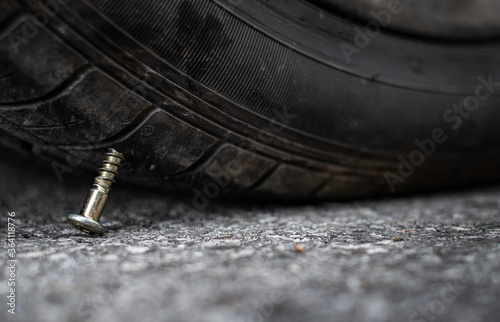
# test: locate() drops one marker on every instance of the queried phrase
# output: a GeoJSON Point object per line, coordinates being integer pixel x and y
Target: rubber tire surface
{"type": "Point", "coordinates": [256, 98]}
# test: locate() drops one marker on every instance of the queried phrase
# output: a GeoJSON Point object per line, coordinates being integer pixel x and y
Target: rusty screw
{"type": "Point", "coordinates": [88, 219]}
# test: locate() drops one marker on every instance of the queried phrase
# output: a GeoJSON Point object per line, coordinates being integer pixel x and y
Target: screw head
{"type": "Point", "coordinates": [86, 225]}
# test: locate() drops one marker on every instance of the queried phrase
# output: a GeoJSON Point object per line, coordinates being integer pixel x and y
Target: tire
{"type": "Point", "coordinates": [261, 99]}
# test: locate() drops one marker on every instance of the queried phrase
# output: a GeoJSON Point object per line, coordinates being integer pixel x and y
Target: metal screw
{"type": "Point", "coordinates": [88, 219]}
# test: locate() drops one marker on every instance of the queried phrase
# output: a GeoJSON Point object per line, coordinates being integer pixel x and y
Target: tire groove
{"type": "Point", "coordinates": [127, 132]}
{"type": "Point", "coordinates": [323, 184]}
{"type": "Point", "coordinates": [201, 162]}
{"type": "Point", "coordinates": [63, 89]}
{"type": "Point", "coordinates": [264, 177]}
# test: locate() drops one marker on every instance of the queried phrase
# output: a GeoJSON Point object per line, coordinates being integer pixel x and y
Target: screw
{"type": "Point", "coordinates": [88, 219]}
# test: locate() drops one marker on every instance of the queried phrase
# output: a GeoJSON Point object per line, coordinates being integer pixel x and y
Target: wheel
{"type": "Point", "coordinates": [263, 99]}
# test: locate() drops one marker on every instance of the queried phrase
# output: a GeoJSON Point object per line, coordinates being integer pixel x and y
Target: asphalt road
{"type": "Point", "coordinates": [419, 258]}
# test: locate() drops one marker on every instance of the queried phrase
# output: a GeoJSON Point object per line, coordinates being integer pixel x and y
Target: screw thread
{"type": "Point", "coordinates": [108, 171]}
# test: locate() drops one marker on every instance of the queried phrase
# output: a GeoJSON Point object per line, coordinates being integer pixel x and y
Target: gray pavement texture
{"type": "Point", "coordinates": [418, 258]}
